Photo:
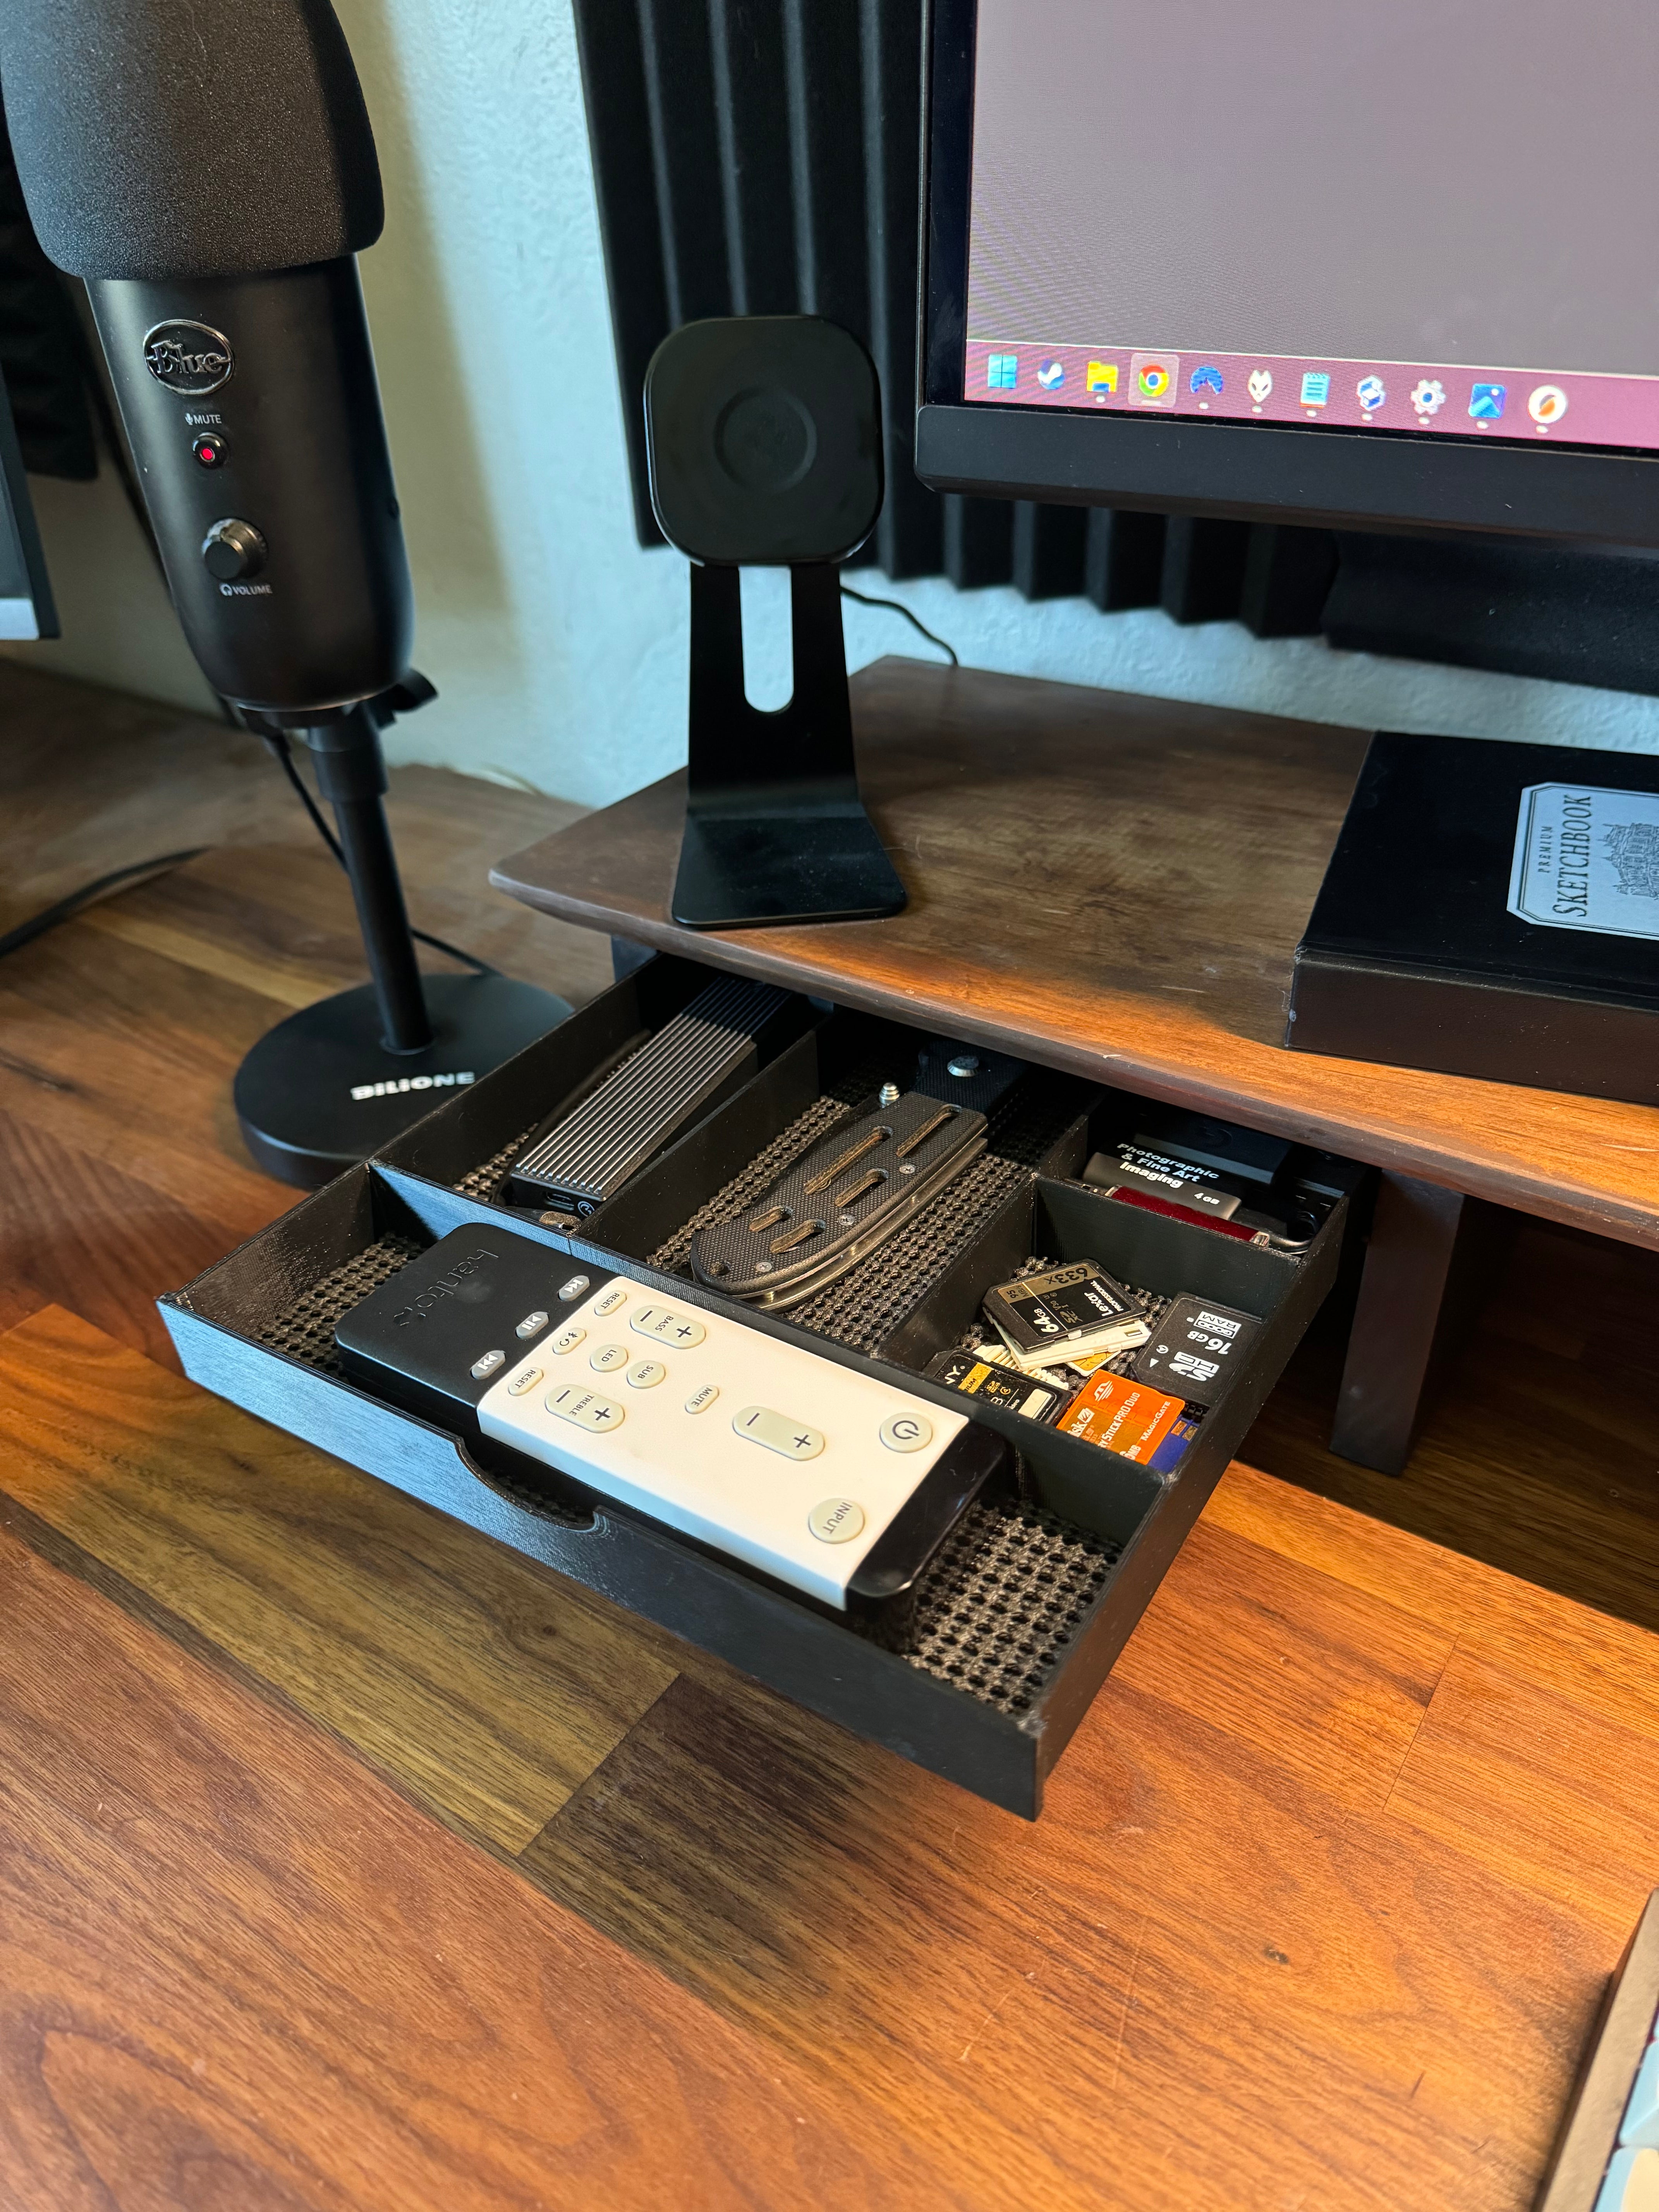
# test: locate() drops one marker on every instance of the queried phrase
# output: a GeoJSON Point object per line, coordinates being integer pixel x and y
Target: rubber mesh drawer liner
{"type": "Point", "coordinates": [862, 1309]}
{"type": "Point", "coordinates": [995, 1615]}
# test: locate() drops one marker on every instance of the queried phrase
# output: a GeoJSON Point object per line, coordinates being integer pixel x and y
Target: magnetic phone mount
{"type": "Point", "coordinates": [764, 443]}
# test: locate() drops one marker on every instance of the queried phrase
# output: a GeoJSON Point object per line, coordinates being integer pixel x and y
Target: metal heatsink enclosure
{"type": "Point", "coordinates": [689, 1066]}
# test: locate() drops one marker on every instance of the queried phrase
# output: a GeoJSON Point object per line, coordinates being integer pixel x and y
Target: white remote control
{"type": "Point", "coordinates": [823, 1477]}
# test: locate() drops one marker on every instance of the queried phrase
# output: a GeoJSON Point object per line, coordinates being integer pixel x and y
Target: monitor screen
{"type": "Point", "coordinates": [25, 605]}
{"type": "Point", "coordinates": [1424, 219]}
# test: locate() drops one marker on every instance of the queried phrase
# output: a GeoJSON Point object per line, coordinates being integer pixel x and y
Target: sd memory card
{"type": "Point", "coordinates": [1195, 1349]}
{"type": "Point", "coordinates": [1065, 1312]}
{"type": "Point", "coordinates": [995, 1385]}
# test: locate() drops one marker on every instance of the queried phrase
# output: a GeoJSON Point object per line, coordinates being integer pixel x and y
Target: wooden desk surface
{"type": "Point", "coordinates": [1116, 885]}
{"type": "Point", "coordinates": [351, 1863]}
{"type": "Point", "coordinates": [349, 1860]}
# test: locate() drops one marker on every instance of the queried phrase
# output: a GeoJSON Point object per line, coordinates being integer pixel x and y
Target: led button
{"type": "Point", "coordinates": [905, 1432]}
{"type": "Point", "coordinates": [701, 1401]}
{"type": "Point", "coordinates": [646, 1374]}
{"type": "Point", "coordinates": [209, 450]}
{"type": "Point", "coordinates": [527, 1381]}
{"type": "Point", "coordinates": [608, 1301]}
{"type": "Point", "coordinates": [836, 1520]}
{"type": "Point", "coordinates": [488, 1364]}
{"type": "Point", "coordinates": [568, 1340]}
{"type": "Point", "coordinates": [663, 1325]}
{"type": "Point", "coordinates": [584, 1409]}
{"type": "Point", "coordinates": [531, 1322]}
{"type": "Point", "coordinates": [608, 1358]}
{"type": "Point", "coordinates": [792, 1439]}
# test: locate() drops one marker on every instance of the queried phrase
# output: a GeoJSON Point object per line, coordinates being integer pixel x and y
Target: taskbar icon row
{"type": "Point", "coordinates": [1166, 381]}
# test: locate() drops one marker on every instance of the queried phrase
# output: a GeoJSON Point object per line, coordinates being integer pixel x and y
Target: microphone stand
{"type": "Point", "coordinates": [351, 775]}
{"type": "Point", "coordinates": [339, 1081]}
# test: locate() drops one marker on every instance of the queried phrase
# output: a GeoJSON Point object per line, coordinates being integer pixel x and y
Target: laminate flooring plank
{"type": "Point", "coordinates": [238, 1974]}
{"type": "Point", "coordinates": [1325, 1680]}
{"type": "Point", "coordinates": [1601, 1665]}
{"type": "Point", "coordinates": [129, 1057]}
{"type": "Point", "coordinates": [76, 1232]}
{"type": "Point", "coordinates": [1198, 1981]}
{"type": "Point", "coordinates": [1563, 1801]}
{"type": "Point", "coordinates": [1540, 1449]}
{"type": "Point", "coordinates": [488, 1688]}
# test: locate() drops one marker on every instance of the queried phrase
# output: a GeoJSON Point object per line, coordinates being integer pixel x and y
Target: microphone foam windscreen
{"type": "Point", "coordinates": [177, 138]}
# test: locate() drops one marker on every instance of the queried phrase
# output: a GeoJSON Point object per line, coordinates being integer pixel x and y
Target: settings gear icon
{"type": "Point", "coordinates": [1429, 397]}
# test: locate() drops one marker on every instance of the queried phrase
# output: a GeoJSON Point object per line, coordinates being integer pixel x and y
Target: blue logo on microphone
{"type": "Point", "coordinates": [189, 358]}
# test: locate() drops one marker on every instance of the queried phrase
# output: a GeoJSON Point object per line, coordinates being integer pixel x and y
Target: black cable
{"type": "Point", "coordinates": [898, 607]}
{"type": "Point", "coordinates": [282, 753]}
{"type": "Point", "coordinates": [66, 909]}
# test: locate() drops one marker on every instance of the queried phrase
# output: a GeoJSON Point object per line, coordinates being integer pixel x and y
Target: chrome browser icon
{"type": "Point", "coordinates": [1154, 378]}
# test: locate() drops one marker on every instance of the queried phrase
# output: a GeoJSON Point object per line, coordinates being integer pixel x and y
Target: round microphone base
{"type": "Point", "coordinates": [320, 1091]}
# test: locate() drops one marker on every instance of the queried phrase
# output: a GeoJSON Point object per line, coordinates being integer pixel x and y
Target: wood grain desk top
{"type": "Point", "coordinates": [1115, 885]}
{"type": "Point", "coordinates": [349, 1863]}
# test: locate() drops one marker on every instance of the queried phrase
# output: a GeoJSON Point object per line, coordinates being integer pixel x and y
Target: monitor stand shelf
{"type": "Point", "coordinates": [1116, 886]}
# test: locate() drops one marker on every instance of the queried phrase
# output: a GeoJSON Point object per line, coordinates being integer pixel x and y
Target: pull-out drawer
{"type": "Point", "coordinates": [1019, 1622]}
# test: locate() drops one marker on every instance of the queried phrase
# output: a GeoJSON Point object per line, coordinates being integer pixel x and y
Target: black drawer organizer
{"type": "Point", "coordinates": [1023, 1617]}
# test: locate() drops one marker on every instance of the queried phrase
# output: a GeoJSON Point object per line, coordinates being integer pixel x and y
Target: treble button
{"type": "Point", "coordinates": [584, 1409]}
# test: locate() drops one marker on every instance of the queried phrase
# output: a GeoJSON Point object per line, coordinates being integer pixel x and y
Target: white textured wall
{"type": "Point", "coordinates": [557, 645]}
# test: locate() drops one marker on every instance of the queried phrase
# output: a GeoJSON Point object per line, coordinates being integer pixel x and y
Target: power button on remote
{"type": "Point", "coordinates": [905, 1432]}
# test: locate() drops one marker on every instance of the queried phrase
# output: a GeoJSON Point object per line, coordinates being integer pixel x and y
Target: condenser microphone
{"type": "Point", "coordinates": [207, 167]}
{"type": "Point", "coordinates": [209, 170]}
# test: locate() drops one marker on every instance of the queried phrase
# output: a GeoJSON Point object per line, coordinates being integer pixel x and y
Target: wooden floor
{"type": "Point", "coordinates": [349, 1860]}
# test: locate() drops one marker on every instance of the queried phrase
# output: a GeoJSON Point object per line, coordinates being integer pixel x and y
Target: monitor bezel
{"type": "Point", "coordinates": [17, 515]}
{"type": "Point", "coordinates": [1310, 473]}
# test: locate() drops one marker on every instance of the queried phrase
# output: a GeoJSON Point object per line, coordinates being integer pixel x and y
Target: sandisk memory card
{"type": "Point", "coordinates": [1064, 1311]}
{"type": "Point", "coordinates": [1121, 1415]}
{"type": "Point", "coordinates": [995, 1385]}
{"type": "Point", "coordinates": [1195, 1349]}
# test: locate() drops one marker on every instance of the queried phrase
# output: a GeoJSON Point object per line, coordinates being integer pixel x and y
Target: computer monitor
{"type": "Point", "coordinates": [1393, 267]}
{"type": "Point", "coordinates": [26, 602]}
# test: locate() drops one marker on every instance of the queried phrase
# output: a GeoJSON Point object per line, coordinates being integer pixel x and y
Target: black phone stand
{"type": "Point", "coordinates": [776, 830]}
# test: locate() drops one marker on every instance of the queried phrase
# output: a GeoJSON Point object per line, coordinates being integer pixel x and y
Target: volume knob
{"type": "Point", "coordinates": [233, 550]}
